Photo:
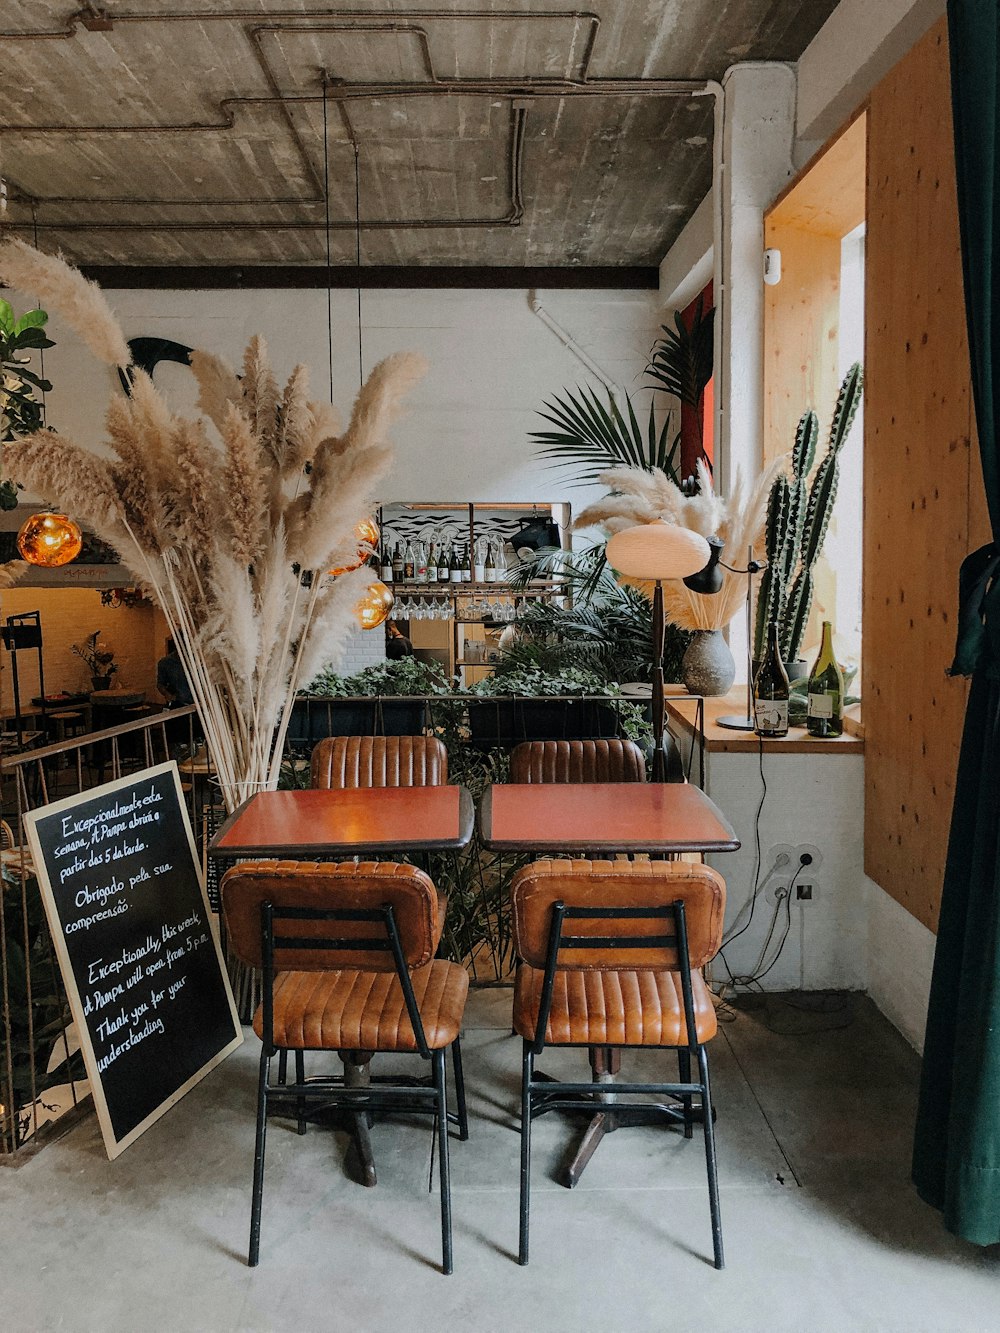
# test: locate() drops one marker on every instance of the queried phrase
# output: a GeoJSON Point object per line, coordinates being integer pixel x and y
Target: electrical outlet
{"type": "Point", "coordinates": [777, 890]}
{"type": "Point", "coordinates": [807, 849]}
{"type": "Point", "coordinates": [805, 893]}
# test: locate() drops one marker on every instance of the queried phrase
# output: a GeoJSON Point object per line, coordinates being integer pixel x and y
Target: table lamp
{"type": "Point", "coordinates": [653, 552]}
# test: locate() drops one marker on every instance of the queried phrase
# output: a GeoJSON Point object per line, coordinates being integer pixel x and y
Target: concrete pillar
{"type": "Point", "coordinates": [757, 139]}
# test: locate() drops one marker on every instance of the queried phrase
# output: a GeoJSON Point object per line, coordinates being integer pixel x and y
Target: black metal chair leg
{"type": "Point", "coordinates": [463, 1115]}
{"type": "Point", "coordinates": [684, 1070]}
{"type": "Point", "coordinates": [710, 1163]}
{"type": "Point", "coordinates": [527, 1074]}
{"type": "Point", "coordinates": [300, 1078]}
{"type": "Point", "coordinates": [258, 1160]}
{"type": "Point", "coordinates": [444, 1165]}
{"type": "Point", "coordinates": [282, 1066]}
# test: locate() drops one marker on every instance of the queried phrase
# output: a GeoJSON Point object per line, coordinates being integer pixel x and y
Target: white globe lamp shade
{"type": "Point", "coordinates": [655, 551]}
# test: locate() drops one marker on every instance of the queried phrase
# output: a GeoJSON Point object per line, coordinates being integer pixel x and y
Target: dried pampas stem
{"type": "Point", "coordinates": [206, 525]}
{"type": "Point", "coordinates": [66, 292]}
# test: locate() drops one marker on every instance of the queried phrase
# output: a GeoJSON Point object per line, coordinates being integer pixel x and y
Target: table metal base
{"type": "Point", "coordinates": [605, 1064]}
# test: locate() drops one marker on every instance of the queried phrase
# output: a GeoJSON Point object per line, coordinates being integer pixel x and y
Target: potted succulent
{"type": "Point", "coordinates": [798, 516]}
{"type": "Point", "coordinates": [100, 660]}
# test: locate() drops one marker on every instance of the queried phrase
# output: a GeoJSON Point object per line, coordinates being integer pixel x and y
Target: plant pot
{"type": "Point", "coordinates": [797, 670]}
{"type": "Point", "coordinates": [707, 667]}
{"type": "Point", "coordinates": [101, 682]}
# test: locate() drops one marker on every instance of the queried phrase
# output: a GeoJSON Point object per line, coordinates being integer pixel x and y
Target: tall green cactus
{"type": "Point", "coordinates": [797, 523]}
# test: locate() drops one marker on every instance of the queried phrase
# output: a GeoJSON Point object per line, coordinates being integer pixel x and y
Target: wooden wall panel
{"type": "Point", "coordinates": [922, 514]}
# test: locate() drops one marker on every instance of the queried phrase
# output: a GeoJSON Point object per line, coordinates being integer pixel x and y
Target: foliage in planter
{"type": "Point", "coordinates": [36, 1023]}
{"type": "Point", "coordinates": [798, 516]}
{"type": "Point", "coordinates": [600, 437]}
{"type": "Point", "coordinates": [608, 630]}
{"type": "Point", "coordinates": [20, 410]}
{"type": "Point", "coordinates": [405, 676]}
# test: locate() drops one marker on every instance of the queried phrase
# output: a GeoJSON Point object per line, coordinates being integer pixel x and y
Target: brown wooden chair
{"type": "Point", "coordinates": [347, 953]}
{"type": "Point", "coordinates": [577, 761]}
{"type": "Point", "coordinates": [609, 955]}
{"type": "Point", "coordinates": [379, 761]}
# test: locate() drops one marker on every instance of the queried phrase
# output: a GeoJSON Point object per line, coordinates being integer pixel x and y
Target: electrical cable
{"type": "Point", "coordinates": [326, 205]}
{"type": "Point", "coordinates": [756, 873]}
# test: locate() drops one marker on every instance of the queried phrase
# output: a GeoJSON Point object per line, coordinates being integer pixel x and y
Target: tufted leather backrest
{"type": "Point", "coordinates": [379, 761]}
{"type": "Point", "coordinates": [577, 761]}
{"type": "Point", "coordinates": [329, 886]}
{"type": "Point", "coordinates": [612, 884]}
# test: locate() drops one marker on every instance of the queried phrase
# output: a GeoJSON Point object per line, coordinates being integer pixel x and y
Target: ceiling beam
{"type": "Point", "coordinates": [252, 276]}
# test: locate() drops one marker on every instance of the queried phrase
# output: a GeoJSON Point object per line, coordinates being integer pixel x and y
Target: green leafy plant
{"type": "Point", "coordinates": [405, 676]}
{"type": "Point", "coordinates": [682, 361]}
{"type": "Point", "coordinates": [100, 659]}
{"type": "Point", "coordinates": [20, 410]}
{"type": "Point", "coordinates": [591, 438]}
{"type": "Point", "coordinates": [798, 516]}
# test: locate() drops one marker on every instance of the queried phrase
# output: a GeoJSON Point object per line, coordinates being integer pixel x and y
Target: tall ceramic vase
{"type": "Point", "coordinates": [707, 666]}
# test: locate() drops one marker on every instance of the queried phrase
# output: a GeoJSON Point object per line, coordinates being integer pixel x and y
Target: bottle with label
{"type": "Point", "coordinates": [466, 565]}
{"type": "Point", "coordinates": [479, 569]}
{"type": "Point", "coordinates": [443, 574]}
{"type": "Point", "coordinates": [489, 565]}
{"type": "Point", "coordinates": [432, 563]}
{"type": "Point", "coordinates": [420, 564]}
{"type": "Point", "coordinates": [826, 691]}
{"type": "Point", "coordinates": [409, 562]}
{"type": "Point", "coordinates": [397, 563]}
{"type": "Point", "coordinates": [455, 565]}
{"type": "Point", "coordinates": [770, 690]}
{"type": "Point", "coordinates": [385, 567]}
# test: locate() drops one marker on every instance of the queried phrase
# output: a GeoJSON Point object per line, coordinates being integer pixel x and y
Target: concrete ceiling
{"type": "Point", "coordinates": [159, 132]}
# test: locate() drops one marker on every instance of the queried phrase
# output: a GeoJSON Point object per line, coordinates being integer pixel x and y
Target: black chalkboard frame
{"type": "Point", "coordinates": [114, 1143]}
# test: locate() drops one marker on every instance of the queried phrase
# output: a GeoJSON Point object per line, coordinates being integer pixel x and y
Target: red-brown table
{"type": "Point", "coordinates": [603, 817]}
{"type": "Point", "coordinates": [324, 823]}
{"type": "Point", "coordinates": [608, 817]}
{"type": "Point", "coordinates": [320, 823]}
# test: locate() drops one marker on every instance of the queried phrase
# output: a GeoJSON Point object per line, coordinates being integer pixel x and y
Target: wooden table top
{"type": "Point", "coordinates": [603, 816]}
{"type": "Point", "coordinates": [322, 823]}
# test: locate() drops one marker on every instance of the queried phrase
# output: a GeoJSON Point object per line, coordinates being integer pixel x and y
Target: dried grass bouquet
{"type": "Point", "coordinates": [639, 496]}
{"type": "Point", "coordinates": [229, 521]}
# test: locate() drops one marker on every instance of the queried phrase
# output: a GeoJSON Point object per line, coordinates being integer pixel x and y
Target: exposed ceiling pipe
{"type": "Point", "coordinates": [569, 342]}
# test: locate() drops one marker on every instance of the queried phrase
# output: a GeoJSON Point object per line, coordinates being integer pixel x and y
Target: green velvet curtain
{"type": "Point", "coordinates": [956, 1156]}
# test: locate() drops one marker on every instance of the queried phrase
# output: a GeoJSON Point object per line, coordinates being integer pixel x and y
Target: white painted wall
{"type": "Point", "coordinates": [900, 961]}
{"type": "Point", "coordinates": [811, 799]}
{"type": "Point", "coordinates": [465, 434]}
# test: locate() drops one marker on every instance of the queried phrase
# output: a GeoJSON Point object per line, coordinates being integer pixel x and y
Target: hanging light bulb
{"type": "Point", "coordinates": [367, 535]}
{"type": "Point", "coordinates": [375, 605]}
{"type": "Point", "coordinates": [49, 540]}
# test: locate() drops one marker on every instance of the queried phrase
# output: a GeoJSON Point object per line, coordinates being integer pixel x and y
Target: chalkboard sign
{"type": "Point", "coordinates": [137, 945]}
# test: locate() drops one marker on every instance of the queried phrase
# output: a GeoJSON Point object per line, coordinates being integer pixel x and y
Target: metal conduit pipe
{"type": "Point", "coordinates": [569, 342]}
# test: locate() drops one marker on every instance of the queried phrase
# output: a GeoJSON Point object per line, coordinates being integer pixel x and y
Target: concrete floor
{"type": "Point", "coordinates": [822, 1228]}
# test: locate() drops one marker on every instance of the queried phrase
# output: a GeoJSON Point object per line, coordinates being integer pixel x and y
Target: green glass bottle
{"type": "Point", "coordinates": [770, 690]}
{"type": "Point", "coordinates": [826, 691]}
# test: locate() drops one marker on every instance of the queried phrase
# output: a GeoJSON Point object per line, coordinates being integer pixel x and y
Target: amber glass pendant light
{"type": "Point", "coordinates": [49, 540]}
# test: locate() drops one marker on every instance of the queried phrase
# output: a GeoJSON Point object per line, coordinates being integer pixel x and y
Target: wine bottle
{"type": "Point", "coordinates": [479, 567]}
{"type": "Point", "coordinates": [432, 563]}
{"type": "Point", "coordinates": [442, 565]}
{"type": "Point", "coordinates": [455, 565]}
{"type": "Point", "coordinates": [770, 690]}
{"type": "Point", "coordinates": [397, 563]}
{"type": "Point", "coordinates": [385, 568]}
{"type": "Point", "coordinates": [409, 562]}
{"type": "Point", "coordinates": [420, 564]}
{"type": "Point", "coordinates": [466, 565]}
{"type": "Point", "coordinates": [489, 568]}
{"type": "Point", "coordinates": [826, 691]}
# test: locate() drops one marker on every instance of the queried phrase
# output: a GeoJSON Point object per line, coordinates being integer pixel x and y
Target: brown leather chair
{"type": "Point", "coordinates": [347, 953]}
{"type": "Point", "coordinates": [577, 761]}
{"type": "Point", "coordinates": [379, 761]}
{"type": "Point", "coordinates": [610, 954]}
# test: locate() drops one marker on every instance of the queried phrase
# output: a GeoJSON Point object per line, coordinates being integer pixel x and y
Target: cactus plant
{"type": "Point", "coordinates": [798, 516]}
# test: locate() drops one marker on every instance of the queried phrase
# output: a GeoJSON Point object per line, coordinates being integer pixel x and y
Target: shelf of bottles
{"type": "Point", "coordinates": [465, 583]}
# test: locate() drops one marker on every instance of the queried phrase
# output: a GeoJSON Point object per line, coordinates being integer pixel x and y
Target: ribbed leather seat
{"type": "Point", "coordinates": [379, 761]}
{"type": "Point", "coordinates": [577, 761]}
{"type": "Point", "coordinates": [366, 1011]}
{"type": "Point", "coordinates": [612, 1008]}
